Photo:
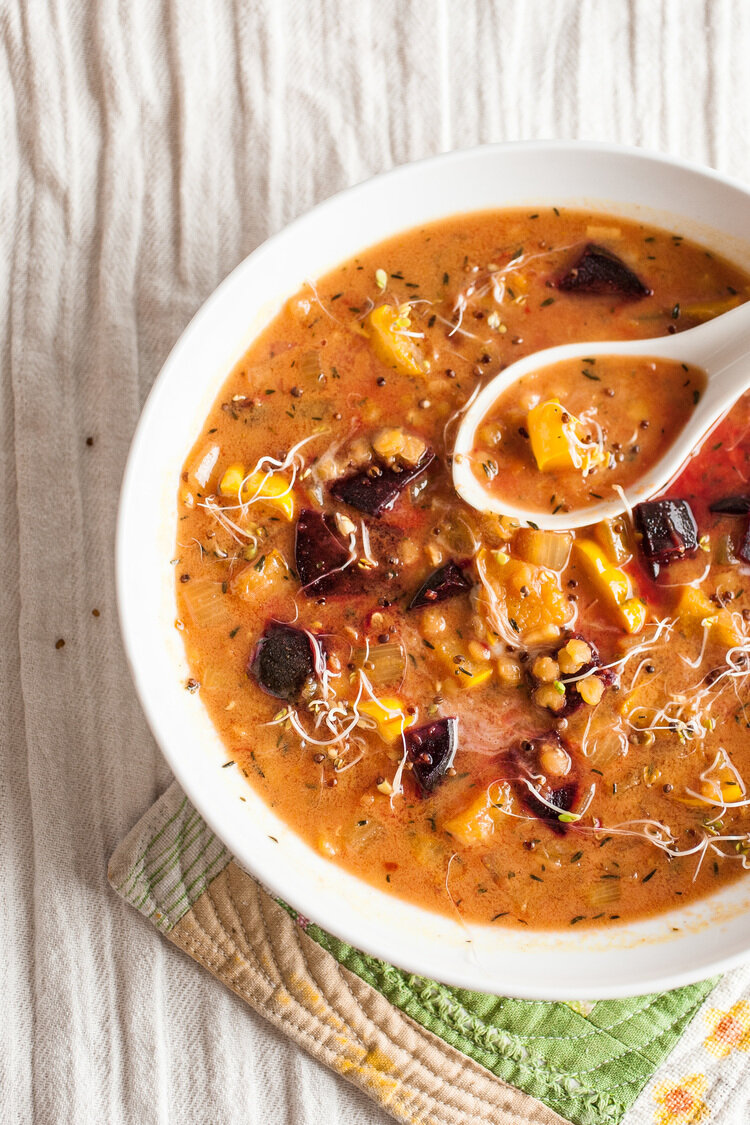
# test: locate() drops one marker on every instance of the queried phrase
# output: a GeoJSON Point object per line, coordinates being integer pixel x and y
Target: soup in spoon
{"type": "Point", "coordinates": [563, 437]}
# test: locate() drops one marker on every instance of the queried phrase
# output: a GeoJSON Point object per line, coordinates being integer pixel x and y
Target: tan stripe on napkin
{"type": "Point", "coordinates": [250, 943]}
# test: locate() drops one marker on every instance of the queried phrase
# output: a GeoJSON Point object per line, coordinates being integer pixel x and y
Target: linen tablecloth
{"type": "Point", "coordinates": [146, 148]}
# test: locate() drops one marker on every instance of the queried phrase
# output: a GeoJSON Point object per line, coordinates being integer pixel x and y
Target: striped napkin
{"type": "Point", "coordinates": [425, 1052]}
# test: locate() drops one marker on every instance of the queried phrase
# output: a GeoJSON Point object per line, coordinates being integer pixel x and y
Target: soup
{"type": "Point", "coordinates": [571, 434]}
{"type": "Point", "coordinates": [530, 728]}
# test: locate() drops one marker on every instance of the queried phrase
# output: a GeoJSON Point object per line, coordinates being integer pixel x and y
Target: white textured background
{"type": "Point", "coordinates": [145, 148]}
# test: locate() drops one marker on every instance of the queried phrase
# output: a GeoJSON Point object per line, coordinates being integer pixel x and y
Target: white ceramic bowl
{"type": "Point", "coordinates": [672, 949]}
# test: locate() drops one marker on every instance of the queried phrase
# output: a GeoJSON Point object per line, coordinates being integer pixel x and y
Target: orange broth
{"type": "Point", "coordinates": [469, 714]}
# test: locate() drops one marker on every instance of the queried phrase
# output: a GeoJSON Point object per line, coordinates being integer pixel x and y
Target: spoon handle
{"type": "Point", "coordinates": [718, 343]}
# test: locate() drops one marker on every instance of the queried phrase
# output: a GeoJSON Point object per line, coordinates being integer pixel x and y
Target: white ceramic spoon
{"type": "Point", "coordinates": [721, 347]}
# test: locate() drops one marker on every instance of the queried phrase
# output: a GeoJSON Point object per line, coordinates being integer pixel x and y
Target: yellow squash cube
{"type": "Point", "coordinates": [720, 787]}
{"type": "Point", "coordinates": [386, 327]}
{"type": "Point", "coordinates": [612, 585]}
{"type": "Point", "coordinates": [260, 578]}
{"type": "Point", "coordinates": [477, 821]}
{"type": "Point", "coordinates": [530, 596]}
{"type": "Point", "coordinates": [612, 536]}
{"type": "Point", "coordinates": [475, 824]}
{"type": "Point", "coordinates": [464, 672]}
{"type": "Point", "coordinates": [469, 676]}
{"type": "Point", "coordinates": [717, 791]}
{"type": "Point", "coordinates": [696, 608]}
{"type": "Point", "coordinates": [390, 716]}
{"type": "Point", "coordinates": [273, 490]}
{"type": "Point", "coordinates": [231, 481]}
{"type": "Point", "coordinates": [549, 441]}
{"type": "Point", "coordinates": [632, 614]}
{"type": "Point", "coordinates": [555, 437]}
{"type": "Point", "coordinates": [266, 488]}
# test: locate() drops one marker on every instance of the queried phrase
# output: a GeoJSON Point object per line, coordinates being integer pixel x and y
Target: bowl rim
{"type": "Point", "coordinates": [342, 927]}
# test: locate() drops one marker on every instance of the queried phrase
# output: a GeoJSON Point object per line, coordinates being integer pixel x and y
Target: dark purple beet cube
{"type": "Point", "coordinates": [375, 490]}
{"type": "Point", "coordinates": [563, 797]}
{"type": "Point", "coordinates": [600, 272]}
{"type": "Point", "coordinates": [446, 582]}
{"type": "Point", "coordinates": [320, 555]}
{"type": "Point", "coordinates": [284, 659]}
{"type": "Point", "coordinates": [432, 749]}
{"type": "Point", "coordinates": [668, 531]}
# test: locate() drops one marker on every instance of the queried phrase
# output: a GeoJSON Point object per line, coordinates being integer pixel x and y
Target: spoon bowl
{"type": "Point", "coordinates": [721, 347]}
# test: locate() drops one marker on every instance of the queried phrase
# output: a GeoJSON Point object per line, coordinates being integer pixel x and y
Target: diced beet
{"type": "Point", "coordinates": [563, 797]}
{"type": "Point", "coordinates": [432, 749]}
{"type": "Point", "coordinates": [377, 493]}
{"type": "Point", "coordinates": [323, 560]}
{"type": "Point", "coordinates": [600, 272]}
{"type": "Point", "coordinates": [731, 505]}
{"type": "Point", "coordinates": [320, 554]}
{"type": "Point", "coordinates": [446, 582]}
{"type": "Point", "coordinates": [562, 793]}
{"type": "Point", "coordinates": [284, 659]}
{"type": "Point", "coordinates": [668, 530]}
{"type": "Point", "coordinates": [743, 551]}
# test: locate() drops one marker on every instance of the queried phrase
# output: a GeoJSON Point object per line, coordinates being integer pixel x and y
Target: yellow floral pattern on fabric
{"type": "Point", "coordinates": [729, 1031]}
{"type": "Point", "coordinates": [681, 1103]}
{"type": "Point", "coordinates": [583, 1007]}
